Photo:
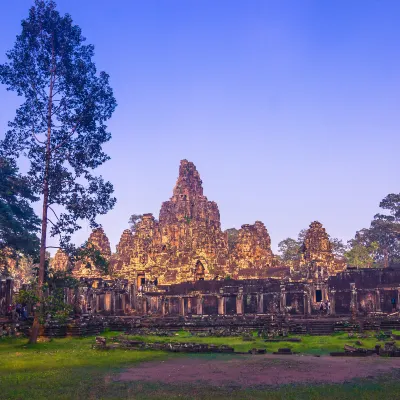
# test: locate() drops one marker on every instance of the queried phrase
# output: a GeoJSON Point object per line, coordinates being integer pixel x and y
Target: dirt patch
{"type": "Point", "coordinates": [267, 369]}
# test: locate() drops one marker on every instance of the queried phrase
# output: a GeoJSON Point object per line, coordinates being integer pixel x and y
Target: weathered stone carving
{"type": "Point", "coordinates": [252, 255]}
{"type": "Point", "coordinates": [20, 269]}
{"type": "Point", "coordinates": [187, 244]}
{"type": "Point", "coordinates": [123, 255]}
{"type": "Point", "coordinates": [317, 261]}
{"type": "Point", "coordinates": [60, 261]}
{"type": "Point", "coordinates": [317, 247]}
{"type": "Point", "coordinates": [84, 268]}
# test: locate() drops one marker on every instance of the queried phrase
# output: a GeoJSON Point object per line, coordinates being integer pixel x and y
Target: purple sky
{"type": "Point", "coordinates": [288, 108]}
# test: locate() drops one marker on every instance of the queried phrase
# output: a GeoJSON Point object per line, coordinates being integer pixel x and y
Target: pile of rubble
{"type": "Point", "coordinates": [176, 347]}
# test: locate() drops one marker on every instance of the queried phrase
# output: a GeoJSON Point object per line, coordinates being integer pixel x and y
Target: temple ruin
{"type": "Point", "coordinates": [184, 265]}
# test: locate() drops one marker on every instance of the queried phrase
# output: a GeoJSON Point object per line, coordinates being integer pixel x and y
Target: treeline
{"type": "Point", "coordinates": [376, 246]}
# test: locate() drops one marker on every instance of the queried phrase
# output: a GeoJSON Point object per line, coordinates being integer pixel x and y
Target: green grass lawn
{"type": "Point", "coordinates": [69, 369]}
{"type": "Point", "coordinates": [315, 345]}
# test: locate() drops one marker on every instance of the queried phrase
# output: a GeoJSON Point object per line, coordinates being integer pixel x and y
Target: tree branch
{"type": "Point", "coordinates": [48, 219]}
{"type": "Point", "coordinates": [57, 108]}
{"type": "Point", "coordinates": [58, 219]}
{"type": "Point", "coordinates": [69, 136]}
{"type": "Point", "coordinates": [35, 137]}
{"type": "Point", "coordinates": [37, 100]}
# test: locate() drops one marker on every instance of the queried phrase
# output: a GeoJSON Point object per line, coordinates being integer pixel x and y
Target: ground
{"type": "Point", "coordinates": [249, 371]}
{"type": "Point", "coordinates": [69, 369]}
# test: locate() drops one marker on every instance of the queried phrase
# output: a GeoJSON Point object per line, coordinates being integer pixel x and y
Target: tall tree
{"type": "Point", "coordinates": [18, 222]}
{"type": "Point", "coordinates": [337, 246]}
{"type": "Point", "coordinates": [60, 127]}
{"type": "Point", "coordinates": [301, 236]}
{"type": "Point", "coordinates": [361, 250]}
{"type": "Point", "coordinates": [385, 230]}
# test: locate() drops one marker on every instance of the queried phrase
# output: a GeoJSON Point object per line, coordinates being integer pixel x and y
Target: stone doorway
{"type": "Point", "coordinates": [141, 280]}
{"type": "Point", "coordinates": [230, 305]}
{"type": "Point", "coordinates": [318, 295]}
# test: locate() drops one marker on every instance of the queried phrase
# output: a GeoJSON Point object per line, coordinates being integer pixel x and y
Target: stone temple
{"type": "Point", "coordinates": [183, 263]}
{"type": "Point", "coordinates": [186, 243]}
{"type": "Point", "coordinates": [182, 271]}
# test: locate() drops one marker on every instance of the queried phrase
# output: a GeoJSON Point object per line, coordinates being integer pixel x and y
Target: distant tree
{"type": "Point", "coordinates": [60, 126]}
{"type": "Point", "coordinates": [301, 236]}
{"type": "Point", "coordinates": [361, 254]}
{"type": "Point", "coordinates": [18, 222]}
{"type": "Point", "coordinates": [289, 250]}
{"type": "Point", "coordinates": [385, 230]}
{"type": "Point", "coordinates": [384, 233]}
{"type": "Point", "coordinates": [391, 203]}
{"type": "Point", "coordinates": [134, 219]}
{"type": "Point", "coordinates": [337, 246]}
{"type": "Point", "coordinates": [233, 237]}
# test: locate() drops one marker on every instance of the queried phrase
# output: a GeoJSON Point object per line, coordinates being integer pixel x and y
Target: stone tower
{"type": "Point", "coordinates": [187, 244]}
{"type": "Point", "coordinates": [99, 240]}
{"type": "Point", "coordinates": [317, 261]}
{"type": "Point", "coordinates": [252, 255]}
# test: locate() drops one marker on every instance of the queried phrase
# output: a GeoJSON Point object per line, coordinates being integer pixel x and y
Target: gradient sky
{"type": "Point", "coordinates": [289, 109]}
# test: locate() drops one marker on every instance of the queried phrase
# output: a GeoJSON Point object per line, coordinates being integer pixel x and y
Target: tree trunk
{"type": "Point", "coordinates": [42, 263]}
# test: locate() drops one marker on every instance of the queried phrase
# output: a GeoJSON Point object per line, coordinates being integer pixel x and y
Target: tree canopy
{"type": "Point", "coordinates": [18, 222]}
{"type": "Point", "coordinates": [60, 126]}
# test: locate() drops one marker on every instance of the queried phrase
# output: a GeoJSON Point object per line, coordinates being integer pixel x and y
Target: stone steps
{"type": "Point", "coordinates": [321, 328]}
{"type": "Point", "coordinates": [390, 325]}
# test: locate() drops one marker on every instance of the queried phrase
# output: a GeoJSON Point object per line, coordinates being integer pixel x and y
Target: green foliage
{"type": "Point", "coordinates": [18, 222]}
{"type": "Point", "coordinates": [93, 258]}
{"type": "Point", "coordinates": [53, 306]}
{"type": "Point", "coordinates": [60, 127]}
{"type": "Point", "coordinates": [289, 249]}
{"type": "Point", "coordinates": [61, 124]}
{"type": "Point", "coordinates": [386, 233]}
{"type": "Point", "coordinates": [361, 255]}
{"type": "Point", "coordinates": [301, 236]}
{"type": "Point", "coordinates": [383, 233]}
{"type": "Point", "coordinates": [27, 296]}
{"type": "Point", "coordinates": [187, 219]}
{"type": "Point", "coordinates": [61, 279]}
{"type": "Point", "coordinates": [337, 246]}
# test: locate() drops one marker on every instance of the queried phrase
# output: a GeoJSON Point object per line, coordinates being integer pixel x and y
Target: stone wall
{"type": "Point", "coordinates": [104, 297]}
{"type": "Point", "coordinates": [366, 291]}
{"type": "Point", "coordinates": [230, 297]}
